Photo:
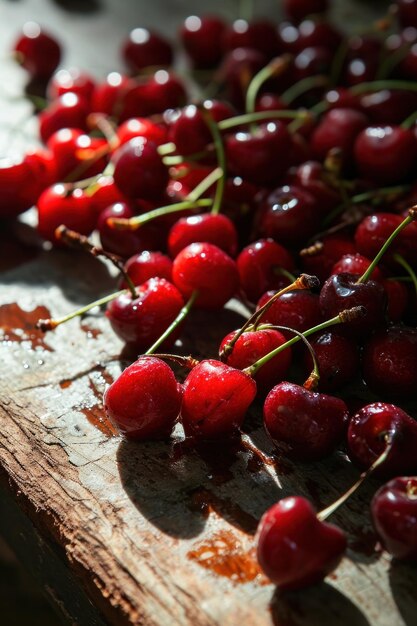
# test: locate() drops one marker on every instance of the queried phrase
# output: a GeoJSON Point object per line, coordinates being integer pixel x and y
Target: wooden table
{"type": "Point", "coordinates": [154, 534]}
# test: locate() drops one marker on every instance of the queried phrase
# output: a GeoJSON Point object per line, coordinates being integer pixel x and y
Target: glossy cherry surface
{"type": "Point", "coordinates": [139, 171]}
{"type": "Point", "coordinates": [38, 51]}
{"type": "Point", "coordinates": [56, 206]}
{"type": "Point", "coordinates": [144, 48]}
{"type": "Point", "coordinates": [201, 37]}
{"type": "Point", "coordinates": [337, 359]}
{"type": "Point", "coordinates": [208, 227]}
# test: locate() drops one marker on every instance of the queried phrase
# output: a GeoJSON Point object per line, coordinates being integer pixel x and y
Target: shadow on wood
{"type": "Point", "coordinates": [403, 582]}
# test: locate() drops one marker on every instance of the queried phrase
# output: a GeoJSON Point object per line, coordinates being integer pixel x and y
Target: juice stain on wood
{"type": "Point", "coordinates": [96, 414]}
{"type": "Point", "coordinates": [18, 326]}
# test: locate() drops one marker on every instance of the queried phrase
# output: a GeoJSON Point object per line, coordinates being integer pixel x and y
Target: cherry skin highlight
{"type": "Point", "coordinates": [145, 265]}
{"type": "Point", "coordinates": [208, 227]}
{"type": "Point", "coordinates": [56, 207]}
{"type": "Point", "coordinates": [38, 52]}
{"type": "Point", "coordinates": [139, 171]}
{"type": "Point", "coordinates": [144, 402]}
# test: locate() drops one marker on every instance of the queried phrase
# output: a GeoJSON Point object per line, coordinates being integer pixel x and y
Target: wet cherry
{"type": "Point", "coordinates": [210, 228]}
{"type": "Point", "coordinates": [139, 171]}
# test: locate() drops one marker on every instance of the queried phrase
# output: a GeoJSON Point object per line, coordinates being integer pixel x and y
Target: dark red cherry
{"type": "Point", "coordinates": [259, 157]}
{"type": "Point", "coordinates": [144, 401]}
{"type": "Point", "coordinates": [259, 35]}
{"type": "Point", "coordinates": [138, 169]}
{"type": "Point", "coordinates": [397, 295]}
{"type": "Point", "coordinates": [389, 106]}
{"type": "Point", "coordinates": [342, 291]}
{"type": "Point", "coordinates": [337, 358]}
{"type": "Point", "coordinates": [355, 264]}
{"type": "Point", "coordinates": [311, 176]}
{"type": "Point", "coordinates": [38, 52]}
{"type": "Point", "coordinates": [201, 37]}
{"type": "Point", "coordinates": [390, 362]}
{"type": "Point", "coordinates": [360, 69]}
{"type": "Point", "coordinates": [312, 61]}
{"type": "Point", "coordinates": [259, 267]}
{"type": "Point", "coordinates": [203, 267]}
{"type": "Point", "coordinates": [251, 346]}
{"type": "Point", "coordinates": [237, 70]}
{"type": "Point", "coordinates": [216, 229]}
{"type": "Point", "coordinates": [141, 127]}
{"type": "Point", "coordinates": [298, 10]}
{"type": "Point", "coordinates": [189, 130]}
{"type": "Point", "coordinates": [298, 309]}
{"type": "Point", "coordinates": [161, 92]}
{"type": "Point", "coordinates": [289, 215]}
{"type": "Point", "coordinates": [71, 80]}
{"type": "Point", "coordinates": [374, 230]}
{"type": "Point", "coordinates": [215, 400]}
{"type": "Point", "coordinates": [67, 111]}
{"type": "Point", "coordinates": [338, 128]}
{"type": "Point", "coordinates": [342, 98]}
{"type": "Point", "coordinates": [367, 439]}
{"type": "Point", "coordinates": [144, 48]}
{"type": "Point", "coordinates": [125, 243]}
{"type": "Point", "coordinates": [270, 102]}
{"type": "Point", "coordinates": [57, 206]}
{"type": "Point", "coordinates": [147, 264]}
{"type": "Point", "coordinates": [318, 261]}
{"type": "Point", "coordinates": [394, 515]}
{"type": "Point", "coordinates": [407, 12]}
{"type": "Point", "coordinates": [294, 548]}
{"type": "Point", "coordinates": [385, 154]}
{"type": "Point", "coordinates": [303, 424]}
{"type": "Point", "coordinates": [106, 193]}
{"type": "Point", "coordinates": [75, 153]}
{"type": "Point", "coordinates": [310, 32]}
{"type": "Point", "coordinates": [110, 96]}
{"type": "Point", "coordinates": [141, 321]}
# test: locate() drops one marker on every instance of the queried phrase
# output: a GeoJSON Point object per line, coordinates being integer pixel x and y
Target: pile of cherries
{"type": "Point", "coordinates": [302, 164]}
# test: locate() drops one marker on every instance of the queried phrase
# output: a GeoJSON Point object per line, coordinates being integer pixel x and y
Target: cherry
{"type": "Point", "coordinates": [368, 431]}
{"type": "Point", "coordinates": [361, 69]}
{"type": "Point", "coordinates": [385, 154]}
{"type": "Point", "coordinates": [320, 258]}
{"type": "Point", "coordinates": [355, 264]}
{"type": "Point", "coordinates": [298, 309]}
{"type": "Point", "coordinates": [394, 515]}
{"type": "Point", "coordinates": [374, 230]}
{"type": "Point", "coordinates": [309, 33]}
{"type": "Point", "coordinates": [140, 321]}
{"type": "Point", "coordinates": [189, 130]}
{"type": "Point", "coordinates": [390, 362]}
{"type": "Point", "coordinates": [161, 92]}
{"type": "Point", "coordinates": [38, 52]}
{"type": "Point", "coordinates": [259, 35]}
{"type": "Point", "coordinates": [312, 61]}
{"type": "Point", "coordinates": [298, 10]}
{"type": "Point", "coordinates": [57, 206]}
{"type": "Point", "coordinates": [110, 96]}
{"type": "Point", "coordinates": [407, 12]}
{"type": "Point", "coordinates": [144, 401]}
{"type": "Point", "coordinates": [202, 39]}
{"type": "Point", "coordinates": [312, 177]}
{"type": "Point", "coordinates": [67, 111]}
{"type": "Point", "coordinates": [145, 265]}
{"type": "Point", "coordinates": [294, 548]}
{"type": "Point", "coordinates": [338, 128]}
{"type": "Point", "coordinates": [204, 268]}
{"type": "Point", "coordinates": [71, 80]}
{"type": "Point", "coordinates": [138, 169]}
{"type": "Point", "coordinates": [269, 102]}
{"type": "Point", "coordinates": [141, 127]}
{"type": "Point", "coordinates": [237, 70]}
{"type": "Point", "coordinates": [209, 227]}
{"type": "Point", "coordinates": [337, 359]}
{"type": "Point", "coordinates": [259, 157]}
{"type": "Point", "coordinates": [74, 154]}
{"type": "Point", "coordinates": [389, 106]}
{"type": "Point", "coordinates": [22, 180]}
{"type": "Point", "coordinates": [342, 98]}
{"type": "Point", "coordinates": [303, 424]}
{"type": "Point", "coordinates": [397, 299]}
{"type": "Point", "coordinates": [144, 48]}
{"type": "Point", "coordinates": [125, 243]}
{"type": "Point", "coordinates": [259, 265]}
{"type": "Point", "coordinates": [215, 400]}
{"type": "Point", "coordinates": [253, 345]}
{"type": "Point", "coordinates": [105, 194]}
{"type": "Point", "coordinates": [288, 215]}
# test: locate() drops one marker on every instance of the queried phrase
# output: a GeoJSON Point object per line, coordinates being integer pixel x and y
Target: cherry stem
{"type": "Point", "coordinates": [412, 215]}
{"type": "Point", "coordinates": [221, 161]}
{"type": "Point", "coordinates": [50, 324]}
{"type": "Point", "coordinates": [392, 60]}
{"type": "Point", "coordinates": [303, 85]}
{"type": "Point", "coordinates": [167, 148]}
{"type": "Point", "coordinates": [409, 121]}
{"type": "Point", "coordinates": [76, 240]}
{"type": "Point", "coordinates": [106, 127]}
{"type": "Point", "coordinates": [184, 361]}
{"type": "Point", "coordinates": [281, 271]}
{"type": "Point", "coordinates": [266, 460]}
{"type": "Point", "coordinates": [134, 223]}
{"type": "Point", "coordinates": [329, 510]}
{"type": "Point", "coordinates": [274, 68]}
{"type": "Point", "coordinates": [205, 184]}
{"type": "Point", "coordinates": [302, 282]}
{"type": "Point", "coordinates": [180, 317]}
{"type": "Point", "coordinates": [407, 267]}
{"type": "Point", "coordinates": [249, 118]}
{"type": "Point", "coordinates": [347, 315]}
{"type": "Point", "coordinates": [378, 85]}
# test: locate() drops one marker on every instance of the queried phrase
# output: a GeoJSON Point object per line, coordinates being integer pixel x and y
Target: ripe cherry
{"type": "Point", "coordinates": [303, 424]}
{"type": "Point", "coordinates": [105, 194]}
{"type": "Point", "coordinates": [38, 52]}
{"type": "Point", "coordinates": [259, 35]}
{"type": "Point", "coordinates": [71, 80]}
{"type": "Point", "coordinates": [298, 309]}
{"type": "Point", "coordinates": [139, 171]}
{"type": "Point", "coordinates": [215, 400]}
{"type": "Point", "coordinates": [144, 401]}
{"type": "Point", "coordinates": [294, 548]}
{"type": "Point", "coordinates": [389, 106]}
{"type": "Point", "coordinates": [161, 92]}
{"type": "Point", "coordinates": [141, 321]}
{"type": "Point", "coordinates": [67, 111]}
{"type": "Point", "coordinates": [338, 128]}
{"type": "Point", "coordinates": [407, 11]}
{"type": "Point", "coordinates": [74, 154]}
{"type": "Point", "coordinates": [208, 227]}
{"type": "Point", "coordinates": [144, 48]}
{"type": "Point", "coordinates": [125, 243]}
{"type": "Point", "coordinates": [110, 96]}
{"type": "Point", "coordinates": [189, 130]}
{"type": "Point", "coordinates": [394, 515]}
{"type": "Point", "coordinates": [320, 258]}
{"type": "Point", "coordinates": [141, 127]}
{"type": "Point", "coordinates": [57, 206]}
{"type": "Point", "coordinates": [202, 38]}
{"type": "Point", "coordinates": [237, 70]}
{"type": "Point", "coordinates": [337, 360]}
{"type": "Point", "coordinates": [355, 264]}
{"type": "Point", "coordinates": [311, 176]}
{"type": "Point", "coordinates": [203, 267]}
{"type": "Point", "coordinates": [398, 299]}
{"type": "Point", "coordinates": [374, 230]}
{"type": "Point", "coordinates": [369, 431]}
{"type": "Point", "coordinates": [145, 265]}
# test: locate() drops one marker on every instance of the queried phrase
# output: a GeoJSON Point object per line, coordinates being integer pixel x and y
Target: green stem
{"type": "Point", "coordinates": [274, 67]}
{"type": "Point", "coordinates": [302, 86]}
{"type": "Point", "coordinates": [408, 269]}
{"type": "Point", "coordinates": [338, 60]}
{"type": "Point", "coordinates": [248, 118]}
{"type": "Point", "coordinates": [181, 315]}
{"type": "Point", "coordinates": [221, 161]}
{"type": "Point", "coordinates": [412, 215]}
{"type": "Point", "coordinates": [409, 121]}
{"type": "Point", "coordinates": [135, 222]}
{"type": "Point", "coordinates": [166, 148]}
{"type": "Point", "coordinates": [377, 85]}
{"type": "Point", "coordinates": [50, 324]}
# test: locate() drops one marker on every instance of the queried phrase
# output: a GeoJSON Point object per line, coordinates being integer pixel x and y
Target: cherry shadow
{"type": "Point", "coordinates": [320, 605]}
{"type": "Point", "coordinates": [403, 583]}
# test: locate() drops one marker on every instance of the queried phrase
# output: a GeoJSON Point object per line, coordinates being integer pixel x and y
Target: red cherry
{"type": "Point", "coordinates": [294, 548]}
{"type": "Point", "coordinates": [390, 362]}
{"type": "Point", "coordinates": [367, 434]}
{"type": "Point", "coordinates": [110, 96]}
{"type": "Point", "coordinates": [67, 111]}
{"type": "Point", "coordinates": [355, 264]}
{"type": "Point", "coordinates": [144, 48]}
{"type": "Point", "coordinates": [337, 359]}
{"type": "Point", "coordinates": [259, 35]}
{"type": "Point", "coordinates": [407, 12]}
{"type": "Point", "coordinates": [144, 402]}
{"type": "Point", "coordinates": [125, 243]}
{"type": "Point", "coordinates": [71, 80]}
{"type": "Point", "coordinates": [139, 171]}
{"type": "Point", "coordinates": [141, 321]}
{"type": "Point", "coordinates": [385, 154]}
{"type": "Point", "coordinates": [251, 346]}
{"type": "Point", "coordinates": [189, 130]}
{"type": "Point", "coordinates": [320, 261]}
{"type": "Point", "coordinates": [308, 33]}
{"type": "Point", "coordinates": [259, 264]}
{"type": "Point", "coordinates": [141, 127]}
{"type": "Point", "coordinates": [215, 400]}
{"type": "Point", "coordinates": [298, 10]}
{"type": "Point", "coordinates": [145, 265]}
{"type": "Point", "coordinates": [205, 268]}
{"type": "Point", "coordinates": [161, 92]}
{"type": "Point", "coordinates": [338, 128]}
{"type": "Point", "coordinates": [311, 176]}
{"type": "Point", "coordinates": [73, 151]}
{"type": "Point", "coordinates": [374, 230]}
{"type": "Point", "coordinates": [39, 53]}
{"type": "Point", "coordinates": [397, 295]}
{"type": "Point", "coordinates": [312, 61]}
{"type": "Point", "coordinates": [106, 193]}
{"type": "Point", "coordinates": [303, 424]}
{"type": "Point", "coordinates": [237, 70]}
{"type": "Point", "coordinates": [394, 515]}
{"type": "Point", "coordinates": [56, 206]}
{"type": "Point", "coordinates": [216, 229]}
{"type": "Point", "coordinates": [298, 309]}
{"type": "Point", "coordinates": [389, 106]}
{"type": "Point", "coordinates": [201, 38]}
